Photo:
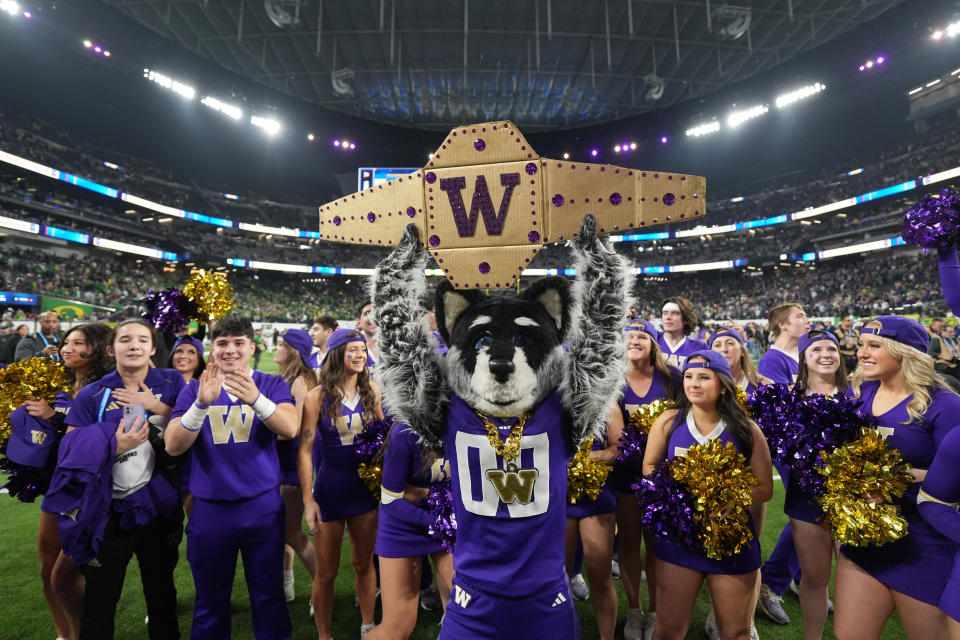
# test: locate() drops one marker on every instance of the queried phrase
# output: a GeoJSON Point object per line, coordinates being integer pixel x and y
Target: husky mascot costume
{"type": "Point", "coordinates": [508, 406]}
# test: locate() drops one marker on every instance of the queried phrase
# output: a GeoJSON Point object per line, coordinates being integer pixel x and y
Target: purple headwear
{"type": "Point", "coordinates": [726, 332]}
{"type": "Point", "coordinates": [715, 362]}
{"type": "Point", "coordinates": [810, 337]}
{"type": "Point", "coordinates": [190, 340]}
{"type": "Point", "coordinates": [301, 342]}
{"type": "Point", "coordinates": [639, 324]}
{"type": "Point", "coordinates": [341, 337]}
{"type": "Point", "coordinates": [900, 329]}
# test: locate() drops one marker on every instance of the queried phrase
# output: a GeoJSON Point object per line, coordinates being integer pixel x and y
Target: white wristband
{"type": "Point", "coordinates": [264, 407]}
{"type": "Point", "coordinates": [192, 420]}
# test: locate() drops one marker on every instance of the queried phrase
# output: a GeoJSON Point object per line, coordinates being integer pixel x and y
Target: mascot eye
{"type": "Point", "coordinates": [484, 341]}
{"type": "Point", "coordinates": [522, 341]}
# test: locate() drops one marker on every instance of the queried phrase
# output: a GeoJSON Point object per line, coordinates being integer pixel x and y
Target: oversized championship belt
{"type": "Point", "coordinates": [486, 204]}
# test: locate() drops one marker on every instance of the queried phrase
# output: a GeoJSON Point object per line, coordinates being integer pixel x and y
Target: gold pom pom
{"type": "Point", "coordinates": [372, 474]}
{"type": "Point", "coordinates": [645, 415]}
{"type": "Point", "coordinates": [30, 379]}
{"type": "Point", "coordinates": [586, 475]}
{"type": "Point", "coordinates": [742, 400]}
{"type": "Point", "coordinates": [862, 478]}
{"type": "Point", "coordinates": [212, 294]}
{"type": "Point", "coordinates": [720, 478]}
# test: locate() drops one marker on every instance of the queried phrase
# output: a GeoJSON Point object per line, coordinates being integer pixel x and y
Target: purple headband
{"type": "Point", "coordinates": [639, 324]}
{"type": "Point", "coordinates": [726, 332]}
{"type": "Point", "coordinates": [900, 329]}
{"type": "Point", "coordinates": [715, 362]}
{"type": "Point", "coordinates": [190, 340]}
{"type": "Point", "coordinates": [341, 337]}
{"type": "Point", "coordinates": [300, 341]}
{"type": "Point", "coordinates": [816, 335]}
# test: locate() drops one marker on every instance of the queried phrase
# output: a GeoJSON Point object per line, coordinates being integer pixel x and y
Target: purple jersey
{"type": "Point", "coordinates": [511, 516]}
{"type": "Point", "coordinates": [938, 506]}
{"type": "Point", "coordinates": [402, 525]}
{"type": "Point", "coordinates": [677, 356]}
{"type": "Point", "coordinates": [779, 366]}
{"type": "Point", "coordinates": [919, 563]}
{"type": "Point", "coordinates": [683, 436]}
{"type": "Point", "coordinates": [94, 403]}
{"type": "Point", "coordinates": [235, 455]}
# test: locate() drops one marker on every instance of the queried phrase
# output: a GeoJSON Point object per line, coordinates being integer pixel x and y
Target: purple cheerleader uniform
{"type": "Point", "coordinates": [287, 453]}
{"type": "Point", "coordinates": [937, 504]}
{"type": "Point", "coordinates": [511, 520]}
{"type": "Point", "coordinates": [624, 474]}
{"type": "Point", "coordinates": [605, 502]}
{"type": "Point", "coordinates": [779, 366]}
{"type": "Point", "coordinates": [677, 356]}
{"type": "Point", "coordinates": [402, 525]}
{"type": "Point", "coordinates": [918, 564]}
{"type": "Point", "coordinates": [338, 489]}
{"type": "Point", "coordinates": [685, 435]}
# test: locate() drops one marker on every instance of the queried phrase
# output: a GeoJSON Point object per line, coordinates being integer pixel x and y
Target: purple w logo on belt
{"type": "Point", "coordinates": [482, 204]}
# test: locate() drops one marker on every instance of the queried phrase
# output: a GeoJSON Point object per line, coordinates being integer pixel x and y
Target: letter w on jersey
{"type": "Point", "coordinates": [461, 597]}
{"type": "Point", "coordinates": [37, 436]}
{"type": "Point", "coordinates": [487, 489]}
{"type": "Point", "coordinates": [236, 420]}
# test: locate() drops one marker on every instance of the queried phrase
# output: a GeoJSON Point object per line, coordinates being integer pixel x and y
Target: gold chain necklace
{"type": "Point", "coordinates": [509, 449]}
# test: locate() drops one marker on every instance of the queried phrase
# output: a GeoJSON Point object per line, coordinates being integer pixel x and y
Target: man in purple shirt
{"type": "Point", "coordinates": [230, 418]}
{"type": "Point", "coordinates": [679, 319]}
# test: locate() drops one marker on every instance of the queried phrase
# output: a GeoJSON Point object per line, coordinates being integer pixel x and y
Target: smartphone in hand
{"type": "Point", "coordinates": [130, 414]}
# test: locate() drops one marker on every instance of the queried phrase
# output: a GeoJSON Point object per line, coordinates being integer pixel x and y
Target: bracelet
{"type": "Point", "coordinates": [264, 407]}
{"type": "Point", "coordinates": [192, 420]}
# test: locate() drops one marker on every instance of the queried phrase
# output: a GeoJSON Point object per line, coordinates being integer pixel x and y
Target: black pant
{"type": "Point", "coordinates": [156, 546]}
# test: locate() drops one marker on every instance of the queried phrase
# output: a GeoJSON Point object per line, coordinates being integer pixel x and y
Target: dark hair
{"type": "Point", "coordinates": [333, 373]}
{"type": "Point", "coordinates": [328, 322]}
{"type": "Point", "coordinates": [138, 321]}
{"type": "Point", "coordinates": [98, 336]}
{"type": "Point", "coordinates": [201, 363]}
{"type": "Point", "coordinates": [232, 326]}
{"type": "Point", "coordinates": [361, 306]}
{"type": "Point", "coordinates": [803, 372]}
{"type": "Point", "coordinates": [691, 319]}
{"type": "Point", "coordinates": [730, 410]}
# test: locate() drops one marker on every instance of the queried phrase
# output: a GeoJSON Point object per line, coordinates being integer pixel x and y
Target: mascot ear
{"type": "Point", "coordinates": [553, 294]}
{"type": "Point", "coordinates": [450, 303]}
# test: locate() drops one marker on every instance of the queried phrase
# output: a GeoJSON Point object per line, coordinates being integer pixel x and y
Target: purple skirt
{"type": "Point", "coordinates": [606, 502]}
{"type": "Point", "coordinates": [801, 505]}
{"type": "Point", "coordinates": [287, 452]}
{"type": "Point", "coordinates": [340, 493]}
{"type": "Point", "coordinates": [917, 565]}
{"type": "Point", "coordinates": [622, 476]}
{"type": "Point", "coordinates": [744, 562]}
{"type": "Point", "coordinates": [397, 538]}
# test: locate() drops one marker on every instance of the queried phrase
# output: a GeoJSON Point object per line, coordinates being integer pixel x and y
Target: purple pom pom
{"type": "Point", "coordinates": [633, 444]}
{"type": "Point", "coordinates": [444, 526]}
{"type": "Point", "coordinates": [934, 222]}
{"type": "Point", "coordinates": [667, 508]}
{"type": "Point", "coordinates": [168, 310]}
{"type": "Point", "coordinates": [369, 441]}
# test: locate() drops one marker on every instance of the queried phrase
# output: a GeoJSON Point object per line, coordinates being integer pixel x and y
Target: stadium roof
{"type": "Point", "coordinates": [544, 64]}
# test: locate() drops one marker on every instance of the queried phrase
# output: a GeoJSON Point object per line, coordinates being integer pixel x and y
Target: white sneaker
{"type": "Point", "coordinates": [753, 632]}
{"type": "Point", "coordinates": [365, 629]}
{"type": "Point", "coordinates": [648, 624]}
{"type": "Point", "coordinates": [579, 587]}
{"type": "Point", "coordinates": [633, 628]}
{"type": "Point", "coordinates": [288, 590]}
{"type": "Point", "coordinates": [711, 629]}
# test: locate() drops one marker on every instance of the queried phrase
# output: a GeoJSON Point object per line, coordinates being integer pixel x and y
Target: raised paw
{"type": "Point", "coordinates": [407, 254]}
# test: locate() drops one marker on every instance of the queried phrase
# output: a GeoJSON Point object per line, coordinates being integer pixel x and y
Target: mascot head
{"type": "Point", "coordinates": [505, 352]}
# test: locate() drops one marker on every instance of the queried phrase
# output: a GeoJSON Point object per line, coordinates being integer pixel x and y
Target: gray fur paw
{"type": "Point", "coordinates": [407, 254]}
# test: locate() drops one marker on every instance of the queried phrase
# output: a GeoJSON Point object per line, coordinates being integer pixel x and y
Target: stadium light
{"type": "Point", "coordinates": [566, 156]}
{"type": "Point", "coordinates": [736, 118]}
{"type": "Point", "coordinates": [311, 137]}
{"type": "Point", "coordinates": [87, 44]}
{"type": "Point", "coordinates": [737, 199]}
{"type": "Point", "coordinates": [951, 30]}
{"type": "Point", "coordinates": [787, 99]}
{"type": "Point", "coordinates": [594, 152]}
{"type": "Point", "coordinates": [616, 149]}
{"type": "Point", "coordinates": [704, 129]}
{"type": "Point", "coordinates": [872, 62]}
{"type": "Point", "coordinates": [228, 110]}
{"type": "Point", "coordinates": [167, 82]}
{"type": "Point", "coordinates": [271, 126]}
{"type": "Point", "coordinates": [664, 139]}
{"type": "Point", "coordinates": [10, 7]}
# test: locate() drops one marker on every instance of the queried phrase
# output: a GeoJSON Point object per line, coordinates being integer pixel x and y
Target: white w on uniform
{"type": "Point", "coordinates": [236, 420]}
{"type": "Point", "coordinates": [493, 487]}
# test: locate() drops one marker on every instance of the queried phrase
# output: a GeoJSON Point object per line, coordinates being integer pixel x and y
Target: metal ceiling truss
{"type": "Point", "coordinates": [542, 63]}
